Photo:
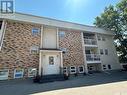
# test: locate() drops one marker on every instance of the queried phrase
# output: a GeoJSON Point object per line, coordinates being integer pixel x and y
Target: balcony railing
{"type": "Point", "coordinates": [92, 57]}
{"type": "Point", "coordinates": [90, 41]}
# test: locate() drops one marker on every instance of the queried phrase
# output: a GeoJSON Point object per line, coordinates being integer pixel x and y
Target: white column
{"type": "Point", "coordinates": [83, 46]}
{"type": "Point", "coordinates": [40, 62]}
{"type": "Point", "coordinates": [42, 29]}
{"type": "Point", "coordinates": [57, 39]}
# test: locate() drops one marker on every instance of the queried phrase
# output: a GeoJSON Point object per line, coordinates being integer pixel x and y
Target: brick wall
{"type": "Point", "coordinates": [73, 43]}
{"type": "Point", "coordinates": [16, 47]}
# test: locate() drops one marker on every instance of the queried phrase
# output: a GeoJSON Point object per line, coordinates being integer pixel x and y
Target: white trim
{"type": "Point", "coordinates": [57, 38]}
{"type": "Point", "coordinates": [65, 70]}
{"type": "Point", "coordinates": [21, 73]}
{"type": "Point", "coordinates": [79, 69]}
{"type": "Point", "coordinates": [4, 77]}
{"type": "Point", "coordinates": [3, 28]}
{"type": "Point", "coordinates": [72, 69]}
{"type": "Point", "coordinates": [40, 63]}
{"type": "Point", "coordinates": [83, 47]}
{"type": "Point", "coordinates": [42, 30]}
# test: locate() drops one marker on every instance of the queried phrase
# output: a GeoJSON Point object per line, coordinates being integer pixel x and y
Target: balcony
{"type": "Point", "coordinates": [90, 42]}
{"type": "Point", "coordinates": [93, 58]}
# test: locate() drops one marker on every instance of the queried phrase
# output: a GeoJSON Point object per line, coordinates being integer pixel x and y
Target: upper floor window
{"type": "Point", "coordinates": [106, 51]}
{"type": "Point", "coordinates": [1, 24]}
{"type": "Point", "coordinates": [101, 51]}
{"type": "Point", "coordinates": [35, 31]}
{"type": "Point", "coordinates": [103, 38]}
{"type": "Point", "coordinates": [34, 49]}
{"type": "Point", "coordinates": [99, 38]}
{"type": "Point", "coordinates": [61, 34]}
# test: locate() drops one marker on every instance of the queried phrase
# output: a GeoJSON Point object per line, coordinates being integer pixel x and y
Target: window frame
{"type": "Point", "coordinates": [103, 38]}
{"type": "Point", "coordinates": [65, 70]}
{"type": "Point", "coordinates": [61, 34]}
{"type": "Point", "coordinates": [106, 51]}
{"type": "Point", "coordinates": [79, 69]}
{"type": "Point", "coordinates": [72, 70]}
{"type": "Point", "coordinates": [1, 23]}
{"type": "Point", "coordinates": [18, 73]}
{"type": "Point", "coordinates": [109, 67]}
{"type": "Point", "coordinates": [30, 75]}
{"type": "Point", "coordinates": [36, 33]}
{"type": "Point", "coordinates": [99, 38]}
{"type": "Point", "coordinates": [2, 77]}
{"type": "Point", "coordinates": [104, 67]}
{"type": "Point", "coordinates": [51, 61]}
{"type": "Point", "coordinates": [101, 53]}
{"type": "Point", "coordinates": [34, 48]}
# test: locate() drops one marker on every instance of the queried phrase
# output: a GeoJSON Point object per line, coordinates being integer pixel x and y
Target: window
{"type": "Point", "coordinates": [64, 50]}
{"type": "Point", "coordinates": [3, 74]}
{"type": "Point", "coordinates": [99, 38]}
{"type": "Point", "coordinates": [51, 60]}
{"type": "Point", "coordinates": [81, 69]}
{"type": "Point", "coordinates": [32, 72]}
{"type": "Point", "coordinates": [101, 51]}
{"type": "Point", "coordinates": [106, 51]}
{"type": "Point", "coordinates": [104, 67]}
{"type": "Point", "coordinates": [65, 69]}
{"type": "Point", "coordinates": [35, 31]}
{"type": "Point", "coordinates": [72, 69]}
{"type": "Point", "coordinates": [61, 34]}
{"type": "Point", "coordinates": [109, 66]}
{"type": "Point", "coordinates": [103, 39]}
{"type": "Point", "coordinates": [34, 49]}
{"type": "Point", "coordinates": [18, 73]}
{"type": "Point", "coordinates": [1, 24]}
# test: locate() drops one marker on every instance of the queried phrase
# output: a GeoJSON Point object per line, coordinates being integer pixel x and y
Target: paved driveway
{"type": "Point", "coordinates": [111, 83]}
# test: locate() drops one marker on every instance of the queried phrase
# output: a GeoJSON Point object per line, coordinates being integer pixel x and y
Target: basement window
{"type": "Point", "coordinates": [72, 70]}
{"type": "Point", "coordinates": [65, 69]}
{"type": "Point", "coordinates": [18, 73]}
{"type": "Point", "coordinates": [1, 24]}
{"type": "Point", "coordinates": [81, 69]}
{"type": "Point", "coordinates": [32, 72]}
{"type": "Point", "coordinates": [4, 74]}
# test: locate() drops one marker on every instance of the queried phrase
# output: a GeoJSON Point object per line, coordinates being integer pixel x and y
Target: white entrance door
{"type": "Point", "coordinates": [51, 65]}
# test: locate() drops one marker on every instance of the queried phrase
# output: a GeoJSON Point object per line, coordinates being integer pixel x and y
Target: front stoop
{"type": "Point", "coordinates": [52, 78]}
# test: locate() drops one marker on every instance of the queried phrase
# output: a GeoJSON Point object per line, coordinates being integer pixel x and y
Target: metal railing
{"type": "Point", "coordinates": [92, 57]}
{"type": "Point", "coordinates": [90, 41]}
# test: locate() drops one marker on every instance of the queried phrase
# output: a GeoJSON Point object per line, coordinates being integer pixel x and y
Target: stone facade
{"type": "Point", "coordinates": [74, 50]}
{"type": "Point", "coordinates": [15, 51]}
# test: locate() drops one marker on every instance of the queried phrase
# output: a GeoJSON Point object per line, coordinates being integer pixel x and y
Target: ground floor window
{"type": "Point", "coordinates": [4, 74]}
{"type": "Point", "coordinates": [18, 73]}
{"type": "Point", "coordinates": [65, 69]}
{"type": "Point", "coordinates": [109, 66]}
{"type": "Point", "coordinates": [104, 67]}
{"type": "Point", "coordinates": [72, 70]}
{"type": "Point", "coordinates": [32, 72]}
{"type": "Point", "coordinates": [81, 69]}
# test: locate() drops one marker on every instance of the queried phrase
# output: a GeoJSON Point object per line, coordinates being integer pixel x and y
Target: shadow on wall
{"type": "Point", "coordinates": [20, 87]}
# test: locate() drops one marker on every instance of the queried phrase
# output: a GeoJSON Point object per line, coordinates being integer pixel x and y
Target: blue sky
{"type": "Point", "coordinates": [78, 11]}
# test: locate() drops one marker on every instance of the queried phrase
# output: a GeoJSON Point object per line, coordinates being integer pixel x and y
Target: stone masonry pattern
{"type": "Point", "coordinates": [16, 47]}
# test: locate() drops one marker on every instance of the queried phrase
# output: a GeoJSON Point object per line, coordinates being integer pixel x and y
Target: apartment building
{"type": "Point", "coordinates": [51, 46]}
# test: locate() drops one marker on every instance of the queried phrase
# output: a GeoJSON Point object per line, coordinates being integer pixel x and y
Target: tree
{"type": "Point", "coordinates": [114, 18]}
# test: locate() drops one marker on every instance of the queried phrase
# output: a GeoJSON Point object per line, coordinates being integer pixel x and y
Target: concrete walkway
{"type": "Point", "coordinates": [112, 83]}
